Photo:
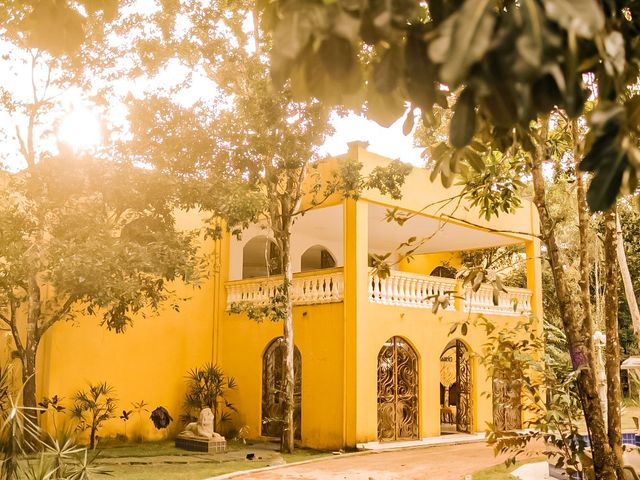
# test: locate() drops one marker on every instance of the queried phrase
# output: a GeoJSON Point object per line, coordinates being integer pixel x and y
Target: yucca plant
{"type": "Point", "coordinates": [93, 407]}
{"type": "Point", "coordinates": [208, 387]}
{"type": "Point", "coordinates": [19, 436]}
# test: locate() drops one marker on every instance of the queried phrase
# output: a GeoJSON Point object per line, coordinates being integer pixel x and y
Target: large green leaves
{"type": "Point", "coordinates": [606, 158]}
{"type": "Point", "coordinates": [584, 17]}
{"type": "Point", "coordinates": [463, 123]}
{"type": "Point", "coordinates": [470, 38]}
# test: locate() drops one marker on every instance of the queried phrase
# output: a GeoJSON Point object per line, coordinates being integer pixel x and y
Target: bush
{"type": "Point", "coordinates": [93, 407]}
{"type": "Point", "coordinates": [207, 387]}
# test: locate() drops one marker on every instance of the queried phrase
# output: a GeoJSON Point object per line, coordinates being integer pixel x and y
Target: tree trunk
{"type": "Point", "coordinates": [626, 280]}
{"type": "Point", "coordinates": [579, 341]}
{"type": "Point", "coordinates": [29, 401]}
{"type": "Point", "coordinates": [288, 430]}
{"type": "Point", "coordinates": [612, 350]}
{"type": "Point", "coordinates": [30, 350]}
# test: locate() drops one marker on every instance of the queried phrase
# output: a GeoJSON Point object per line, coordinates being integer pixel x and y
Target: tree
{"type": "Point", "coordinates": [510, 63]}
{"type": "Point", "coordinates": [249, 154]}
{"type": "Point", "coordinates": [83, 236]}
{"type": "Point", "coordinates": [80, 232]}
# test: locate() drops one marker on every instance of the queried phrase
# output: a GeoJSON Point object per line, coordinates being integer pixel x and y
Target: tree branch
{"type": "Point", "coordinates": [489, 229]}
{"type": "Point", "coordinates": [64, 310]}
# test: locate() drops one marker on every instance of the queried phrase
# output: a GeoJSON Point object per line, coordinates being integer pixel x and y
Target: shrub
{"type": "Point", "coordinates": [93, 407]}
{"type": "Point", "coordinates": [208, 387]}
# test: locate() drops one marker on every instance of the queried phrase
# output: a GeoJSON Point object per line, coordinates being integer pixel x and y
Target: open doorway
{"type": "Point", "coordinates": [456, 386]}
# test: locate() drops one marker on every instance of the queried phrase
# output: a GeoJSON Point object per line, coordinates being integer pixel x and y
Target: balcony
{"type": "Point", "coordinates": [326, 286]}
{"type": "Point", "coordinates": [413, 290]}
{"type": "Point", "coordinates": [398, 289]}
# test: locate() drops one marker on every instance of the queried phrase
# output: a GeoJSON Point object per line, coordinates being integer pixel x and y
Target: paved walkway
{"type": "Point", "coordinates": [447, 462]}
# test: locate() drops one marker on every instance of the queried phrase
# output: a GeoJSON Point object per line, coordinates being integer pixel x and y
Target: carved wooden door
{"type": "Point", "coordinates": [397, 391]}
{"type": "Point", "coordinates": [273, 389]}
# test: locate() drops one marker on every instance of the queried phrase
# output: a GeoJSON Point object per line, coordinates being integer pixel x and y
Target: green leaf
{"type": "Point", "coordinates": [584, 17]}
{"type": "Point", "coordinates": [530, 43]}
{"type": "Point", "coordinates": [407, 126]}
{"type": "Point", "coordinates": [632, 107]}
{"type": "Point", "coordinates": [387, 71]}
{"type": "Point", "coordinates": [474, 160]}
{"type": "Point", "coordinates": [463, 122]}
{"type": "Point", "coordinates": [464, 329]}
{"type": "Point", "coordinates": [470, 39]}
{"type": "Point", "coordinates": [337, 56]}
{"type": "Point", "coordinates": [384, 109]}
{"type": "Point", "coordinates": [420, 72]}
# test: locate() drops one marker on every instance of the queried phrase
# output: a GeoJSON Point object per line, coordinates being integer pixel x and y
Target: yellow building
{"type": "Point", "coordinates": [373, 362]}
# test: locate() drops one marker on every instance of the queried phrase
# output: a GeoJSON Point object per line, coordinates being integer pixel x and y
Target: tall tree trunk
{"type": "Point", "coordinates": [612, 350]}
{"type": "Point", "coordinates": [288, 431]}
{"type": "Point", "coordinates": [580, 342]}
{"type": "Point", "coordinates": [30, 350]}
{"type": "Point", "coordinates": [626, 281]}
{"type": "Point", "coordinates": [28, 359]}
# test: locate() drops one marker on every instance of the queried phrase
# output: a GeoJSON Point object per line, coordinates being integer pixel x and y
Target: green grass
{"type": "Point", "coordinates": [501, 472]}
{"type": "Point", "coordinates": [162, 461]}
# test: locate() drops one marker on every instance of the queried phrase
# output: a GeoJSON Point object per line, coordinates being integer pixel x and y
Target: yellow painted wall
{"type": "Point", "coordinates": [424, 263]}
{"type": "Point", "coordinates": [148, 362]}
{"type": "Point", "coordinates": [318, 336]}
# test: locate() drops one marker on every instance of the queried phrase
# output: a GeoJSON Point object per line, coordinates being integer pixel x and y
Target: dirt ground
{"type": "Point", "coordinates": [449, 462]}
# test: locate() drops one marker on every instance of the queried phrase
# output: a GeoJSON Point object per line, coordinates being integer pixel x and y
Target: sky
{"type": "Point", "coordinates": [389, 142]}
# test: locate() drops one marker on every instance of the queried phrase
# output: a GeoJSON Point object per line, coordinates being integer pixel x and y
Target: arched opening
{"type": "Point", "coordinates": [507, 400]}
{"type": "Point", "coordinates": [456, 386]}
{"type": "Point", "coordinates": [397, 391]}
{"type": "Point", "coordinates": [315, 258]}
{"type": "Point", "coordinates": [444, 272]}
{"type": "Point", "coordinates": [260, 258]}
{"type": "Point", "coordinates": [273, 389]}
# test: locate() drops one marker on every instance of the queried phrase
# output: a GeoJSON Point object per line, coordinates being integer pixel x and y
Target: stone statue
{"type": "Point", "coordinates": [203, 428]}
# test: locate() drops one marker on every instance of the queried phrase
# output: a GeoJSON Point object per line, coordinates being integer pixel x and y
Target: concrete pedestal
{"type": "Point", "coordinates": [198, 444]}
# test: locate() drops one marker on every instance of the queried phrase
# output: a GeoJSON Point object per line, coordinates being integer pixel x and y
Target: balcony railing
{"type": "Point", "coordinates": [410, 289]}
{"type": "Point", "coordinates": [414, 290]}
{"type": "Point", "coordinates": [399, 288]}
{"type": "Point", "coordinates": [325, 286]}
{"type": "Point", "coordinates": [516, 301]}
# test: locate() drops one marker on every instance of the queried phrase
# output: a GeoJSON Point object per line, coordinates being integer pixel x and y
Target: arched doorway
{"type": "Point", "coordinates": [273, 389]}
{"type": "Point", "coordinates": [260, 258]}
{"type": "Point", "coordinates": [456, 386]}
{"type": "Point", "coordinates": [316, 258]}
{"type": "Point", "coordinates": [507, 402]}
{"type": "Point", "coordinates": [397, 391]}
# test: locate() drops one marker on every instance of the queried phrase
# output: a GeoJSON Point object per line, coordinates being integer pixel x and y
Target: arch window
{"type": "Point", "coordinates": [260, 258]}
{"type": "Point", "coordinates": [316, 258]}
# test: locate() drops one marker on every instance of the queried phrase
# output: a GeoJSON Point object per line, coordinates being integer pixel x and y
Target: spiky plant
{"type": "Point", "coordinates": [208, 387]}
{"type": "Point", "coordinates": [93, 407]}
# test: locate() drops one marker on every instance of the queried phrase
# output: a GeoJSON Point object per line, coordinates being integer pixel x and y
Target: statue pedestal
{"type": "Point", "coordinates": [200, 444]}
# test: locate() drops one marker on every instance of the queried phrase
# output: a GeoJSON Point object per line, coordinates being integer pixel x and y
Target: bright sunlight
{"type": "Point", "coordinates": [80, 129]}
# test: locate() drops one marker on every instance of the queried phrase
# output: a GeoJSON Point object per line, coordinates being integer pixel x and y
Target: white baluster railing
{"type": "Point", "coordinates": [399, 288]}
{"type": "Point", "coordinates": [516, 301]}
{"type": "Point", "coordinates": [409, 289]}
{"type": "Point", "coordinates": [323, 286]}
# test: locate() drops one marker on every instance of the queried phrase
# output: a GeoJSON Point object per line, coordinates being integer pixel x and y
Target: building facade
{"type": "Point", "coordinates": [373, 362]}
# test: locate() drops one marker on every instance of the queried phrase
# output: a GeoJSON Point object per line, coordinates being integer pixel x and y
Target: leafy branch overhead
{"type": "Point", "coordinates": [509, 63]}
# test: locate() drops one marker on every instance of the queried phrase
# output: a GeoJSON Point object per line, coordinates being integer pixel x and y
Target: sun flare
{"type": "Point", "coordinates": [80, 129]}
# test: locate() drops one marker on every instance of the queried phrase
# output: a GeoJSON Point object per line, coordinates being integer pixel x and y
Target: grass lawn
{"type": "Point", "coordinates": [500, 472]}
{"type": "Point", "coordinates": [162, 461]}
